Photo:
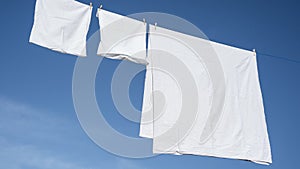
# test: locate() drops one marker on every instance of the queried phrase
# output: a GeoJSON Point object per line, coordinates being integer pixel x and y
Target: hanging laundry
{"type": "Point", "coordinates": [61, 25]}
{"type": "Point", "coordinates": [203, 98]}
{"type": "Point", "coordinates": [121, 37]}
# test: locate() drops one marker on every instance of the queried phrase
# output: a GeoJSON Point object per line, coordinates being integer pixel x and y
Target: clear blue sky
{"type": "Point", "coordinates": [38, 124]}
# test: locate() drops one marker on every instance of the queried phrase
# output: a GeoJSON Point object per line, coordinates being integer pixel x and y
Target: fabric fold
{"type": "Point", "coordinates": [121, 37]}
{"type": "Point", "coordinates": [61, 25]}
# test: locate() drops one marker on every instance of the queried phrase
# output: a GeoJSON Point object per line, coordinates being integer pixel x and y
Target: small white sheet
{"type": "Point", "coordinates": [122, 37]}
{"type": "Point", "coordinates": [203, 98]}
{"type": "Point", "coordinates": [61, 25]}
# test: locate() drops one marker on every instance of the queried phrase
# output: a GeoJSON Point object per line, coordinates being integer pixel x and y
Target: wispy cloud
{"type": "Point", "coordinates": [33, 138]}
{"type": "Point", "coordinates": [27, 156]}
{"type": "Point", "coordinates": [24, 133]}
{"type": "Point", "coordinates": [125, 163]}
{"type": "Point", "coordinates": [22, 121]}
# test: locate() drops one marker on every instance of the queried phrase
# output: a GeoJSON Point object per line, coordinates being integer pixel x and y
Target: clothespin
{"type": "Point", "coordinates": [254, 51]}
{"type": "Point", "coordinates": [144, 20]}
{"type": "Point", "coordinates": [91, 5]}
{"type": "Point", "coordinates": [100, 7]}
{"type": "Point", "coordinates": [155, 25]}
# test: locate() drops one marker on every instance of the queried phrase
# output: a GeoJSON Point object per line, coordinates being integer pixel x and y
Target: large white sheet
{"type": "Point", "coordinates": [61, 25]}
{"type": "Point", "coordinates": [203, 98]}
{"type": "Point", "coordinates": [122, 37]}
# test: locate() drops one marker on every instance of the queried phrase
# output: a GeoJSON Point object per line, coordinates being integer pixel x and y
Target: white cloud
{"type": "Point", "coordinates": [23, 133]}
{"type": "Point", "coordinates": [21, 156]}
{"type": "Point", "coordinates": [26, 133]}
{"type": "Point", "coordinates": [128, 164]}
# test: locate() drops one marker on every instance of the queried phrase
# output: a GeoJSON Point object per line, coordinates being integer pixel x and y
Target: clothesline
{"type": "Point", "coordinates": [279, 57]}
{"type": "Point", "coordinates": [269, 55]}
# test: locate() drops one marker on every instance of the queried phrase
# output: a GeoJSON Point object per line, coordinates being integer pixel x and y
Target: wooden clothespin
{"type": "Point", "coordinates": [155, 25]}
{"type": "Point", "coordinates": [254, 51]}
{"type": "Point", "coordinates": [100, 7]}
{"type": "Point", "coordinates": [144, 20]}
{"type": "Point", "coordinates": [91, 5]}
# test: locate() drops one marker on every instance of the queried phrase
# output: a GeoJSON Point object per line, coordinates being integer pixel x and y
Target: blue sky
{"type": "Point", "coordinates": [38, 124]}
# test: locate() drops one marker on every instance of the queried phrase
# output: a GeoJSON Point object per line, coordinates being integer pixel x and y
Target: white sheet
{"type": "Point", "coordinates": [61, 25]}
{"type": "Point", "coordinates": [122, 37]}
{"type": "Point", "coordinates": [222, 109]}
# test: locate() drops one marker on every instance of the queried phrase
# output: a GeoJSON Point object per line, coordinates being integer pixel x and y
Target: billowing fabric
{"type": "Point", "coordinates": [61, 25]}
{"type": "Point", "coordinates": [203, 98]}
{"type": "Point", "coordinates": [121, 37]}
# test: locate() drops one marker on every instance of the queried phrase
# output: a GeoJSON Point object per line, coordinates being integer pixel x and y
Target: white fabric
{"type": "Point", "coordinates": [61, 25]}
{"type": "Point", "coordinates": [232, 126]}
{"type": "Point", "coordinates": [121, 37]}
